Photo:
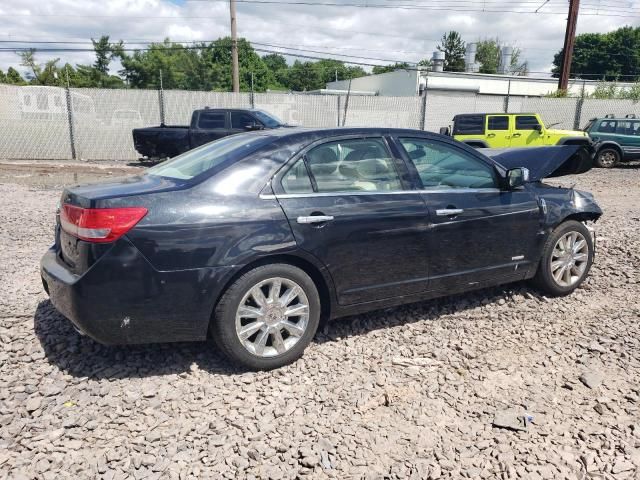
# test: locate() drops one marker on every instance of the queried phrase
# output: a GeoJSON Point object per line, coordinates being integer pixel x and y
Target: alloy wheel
{"type": "Point", "coordinates": [569, 259]}
{"type": "Point", "coordinates": [272, 317]}
{"type": "Point", "coordinates": [607, 158]}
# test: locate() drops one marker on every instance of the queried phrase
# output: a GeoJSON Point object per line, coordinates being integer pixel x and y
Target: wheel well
{"type": "Point", "coordinates": [580, 217]}
{"type": "Point", "coordinates": [304, 265]}
{"type": "Point", "coordinates": [612, 146]}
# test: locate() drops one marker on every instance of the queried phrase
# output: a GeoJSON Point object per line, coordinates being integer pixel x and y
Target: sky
{"type": "Point", "coordinates": [404, 30]}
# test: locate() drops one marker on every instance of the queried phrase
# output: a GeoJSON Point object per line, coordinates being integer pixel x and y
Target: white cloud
{"type": "Point", "coordinates": [395, 34]}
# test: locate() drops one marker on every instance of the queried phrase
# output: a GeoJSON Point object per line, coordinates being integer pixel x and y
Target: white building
{"type": "Point", "coordinates": [406, 83]}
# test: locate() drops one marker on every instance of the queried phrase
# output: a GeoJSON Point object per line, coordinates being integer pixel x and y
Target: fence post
{"type": "Point", "coordinates": [338, 111]}
{"type": "Point", "coordinates": [507, 98]}
{"type": "Point", "coordinates": [578, 113]}
{"type": "Point", "coordinates": [72, 140]}
{"type": "Point", "coordinates": [161, 100]}
{"type": "Point", "coordinates": [423, 105]}
{"type": "Point", "coordinates": [346, 104]}
{"type": "Point", "coordinates": [252, 98]}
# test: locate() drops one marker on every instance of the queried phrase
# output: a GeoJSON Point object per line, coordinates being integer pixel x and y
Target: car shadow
{"type": "Point", "coordinates": [80, 356]}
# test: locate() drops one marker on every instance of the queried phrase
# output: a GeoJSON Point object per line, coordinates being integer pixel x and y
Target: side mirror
{"type": "Point", "coordinates": [516, 177]}
{"type": "Point", "coordinates": [538, 128]}
{"type": "Point", "coordinates": [445, 131]}
{"type": "Point", "coordinates": [253, 126]}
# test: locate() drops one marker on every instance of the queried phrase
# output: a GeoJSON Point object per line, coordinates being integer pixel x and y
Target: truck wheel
{"type": "Point", "coordinates": [566, 259]}
{"type": "Point", "coordinates": [607, 157]}
{"type": "Point", "coordinates": [267, 317]}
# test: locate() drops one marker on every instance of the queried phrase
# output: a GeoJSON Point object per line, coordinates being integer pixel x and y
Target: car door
{"type": "Point", "coordinates": [210, 125]}
{"type": "Point", "coordinates": [243, 122]}
{"type": "Point", "coordinates": [498, 133]}
{"type": "Point", "coordinates": [527, 131]}
{"type": "Point", "coordinates": [628, 136]}
{"type": "Point", "coordinates": [349, 205]}
{"type": "Point", "coordinates": [479, 232]}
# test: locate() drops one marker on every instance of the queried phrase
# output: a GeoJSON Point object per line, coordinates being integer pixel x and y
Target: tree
{"type": "Point", "coordinates": [12, 77]}
{"type": "Point", "coordinates": [40, 74]}
{"type": "Point", "coordinates": [390, 68]}
{"type": "Point", "coordinates": [607, 56]}
{"type": "Point", "coordinates": [277, 64]}
{"type": "Point", "coordinates": [454, 49]}
{"type": "Point", "coordinates": [488, 55]}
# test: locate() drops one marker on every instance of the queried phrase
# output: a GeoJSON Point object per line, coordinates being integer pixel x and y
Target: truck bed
{"type": "Point", "coordinates": [161, 141]}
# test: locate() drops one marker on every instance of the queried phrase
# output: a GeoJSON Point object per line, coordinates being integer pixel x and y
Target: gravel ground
{"type": "Point", "coordinates": [409, 392]}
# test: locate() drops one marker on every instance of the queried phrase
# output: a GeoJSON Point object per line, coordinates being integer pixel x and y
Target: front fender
{"type": "Point", "coordinates": [560, 204]}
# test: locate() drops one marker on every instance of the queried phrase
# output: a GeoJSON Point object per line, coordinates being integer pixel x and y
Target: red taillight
{"type": "Point", "coordinates": [99, 224]}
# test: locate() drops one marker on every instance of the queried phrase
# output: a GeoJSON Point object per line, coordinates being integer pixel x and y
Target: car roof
{"type": "Point", "coordinates": [497, 113]}
{"type": "Point", "coordinates": [326, 132]}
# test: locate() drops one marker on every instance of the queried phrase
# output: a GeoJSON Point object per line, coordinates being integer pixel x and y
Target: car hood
{"type": "Point", "coordinates": [544, 162]}
{"type": "Point", "coordinates": [566, 133]}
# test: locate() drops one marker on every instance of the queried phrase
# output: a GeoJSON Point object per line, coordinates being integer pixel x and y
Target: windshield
{"type": "Point", "coordinates": [204, 158]}
{"type": "Point", "coordinates": [269, 120]}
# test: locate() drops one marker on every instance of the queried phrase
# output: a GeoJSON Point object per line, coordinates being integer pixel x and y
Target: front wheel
{"type": "Point", "coordinates": [267, 317]}
{"type": "Point", "coordinates": [566, 259]}
{"type": "Point", "coordinates": [607, 157]}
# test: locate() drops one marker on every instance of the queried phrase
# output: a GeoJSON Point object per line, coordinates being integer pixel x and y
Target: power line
{"type": "Point", "coordinates": [324, 4]}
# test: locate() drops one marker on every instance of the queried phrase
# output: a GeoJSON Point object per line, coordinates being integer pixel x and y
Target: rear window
{"type": "Point", "coordinates": [207, 157]}
{"type": "Point", "coordinates": [468, 125]}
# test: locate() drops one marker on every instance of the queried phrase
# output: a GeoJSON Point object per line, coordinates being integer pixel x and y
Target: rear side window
{"type": "Point", "coordinates": [608, 126]}
{"type": "Point", "coordinates": [443, 166]}
{"type": "Point", "coordinates": [362, 164]}
{"type": "Point", "coordinates": [635, 128]}
{"type": "Point", "coordinates": [211, 120]}
{"type": "Point", "coordinates": [468, 125]}
{"type": "Point", "coordinates": [242, 120]}
{"type": "Point", "coordinates": [297, 180]}
{"type": "Point", "coordinates": [526, 122]}
{"type": "Point", "coordinates": [498, 123]}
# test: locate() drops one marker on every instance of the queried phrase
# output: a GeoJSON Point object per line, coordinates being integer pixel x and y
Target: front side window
{"type": "Point", "coordinates": [443, 166]}
{"type": "Point", "coordinates": [608, 126]}
{"type": "Point", "coordinates": [211, 120]}
{"type": "Point", "coordinates": [468, 125]}
{"type": "Point", "coordinates": [498, 123]}
{"type": "Point", "coordinates": [362, 164]}
{"type": "Point", "coordinates": [526, 122]}
{"type": "Point", "coordinates": [242, 120]}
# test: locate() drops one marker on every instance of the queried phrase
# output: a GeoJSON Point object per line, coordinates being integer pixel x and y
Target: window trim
{"type": "Point", "coordinates": [406, 180]}
{"type": "Point", "coordinates": [497, 176]}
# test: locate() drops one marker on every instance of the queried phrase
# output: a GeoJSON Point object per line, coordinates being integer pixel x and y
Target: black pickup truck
{"type": "Point", "coordinates": [207, 124]}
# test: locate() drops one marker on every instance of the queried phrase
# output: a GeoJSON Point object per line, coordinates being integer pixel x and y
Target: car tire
{"type": "Point", "coordinates": [566, 259]}
{"type": "Point", "coordinates": [271, 335]}
{"type": "Point", "coordinates": [607, 157]}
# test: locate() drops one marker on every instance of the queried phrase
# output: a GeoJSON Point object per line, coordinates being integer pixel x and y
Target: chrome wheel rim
{"type": "Point", "coordinates": [272, 317]}
{"type": "Point", "coordinates": [569, 259]}
{"type": "Point", "coordinates": [607, 158]}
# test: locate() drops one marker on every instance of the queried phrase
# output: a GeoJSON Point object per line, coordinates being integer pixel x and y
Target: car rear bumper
{"type": "Point", "coordinates": [122, 299]}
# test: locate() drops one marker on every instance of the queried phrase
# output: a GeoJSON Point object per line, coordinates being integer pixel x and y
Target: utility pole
{"type": "Point", "coordinates": [234, 48]}
{"type": "Point", "coordinates": [569, 41]}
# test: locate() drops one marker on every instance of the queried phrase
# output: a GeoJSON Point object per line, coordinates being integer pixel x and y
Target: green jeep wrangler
{"type": "Point", "coordinates": [616, 139]}
{"type": "Point", "coordinates": [502, 130]}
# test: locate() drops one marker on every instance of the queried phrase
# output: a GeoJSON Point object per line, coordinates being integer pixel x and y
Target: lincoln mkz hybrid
{"type": "Point", "coordinates": [254, 238]}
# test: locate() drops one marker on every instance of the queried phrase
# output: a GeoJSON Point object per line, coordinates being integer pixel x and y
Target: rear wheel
{"type": "Point", "coordinates": [267, 317]}
{"type": "Point", "coordinates": [607, 157]}
{"type": "Point", "coordinates": [566, 259]}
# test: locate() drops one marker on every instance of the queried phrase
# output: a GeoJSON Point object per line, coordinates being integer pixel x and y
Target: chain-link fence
{"type": "Point", "coordinates": [95, 124]}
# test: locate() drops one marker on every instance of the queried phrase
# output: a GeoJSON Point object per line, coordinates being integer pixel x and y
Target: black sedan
{"type": "Point", "coordinates": [252, 239]}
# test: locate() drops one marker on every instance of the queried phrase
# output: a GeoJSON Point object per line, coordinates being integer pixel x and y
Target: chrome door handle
{"type": "Point", "coordinates": [314, 219]}
{"type": "Point", "coordinates": [448, 212]}
{"type": "Point", "coordinates": [516, 135]}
